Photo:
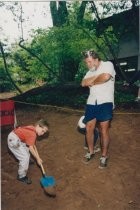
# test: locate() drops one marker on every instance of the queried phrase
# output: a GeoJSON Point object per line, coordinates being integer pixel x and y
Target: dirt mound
{"type": "Point", "coordinates": [79, 186]}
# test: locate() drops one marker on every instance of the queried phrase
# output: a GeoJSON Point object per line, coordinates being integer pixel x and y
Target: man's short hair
{"type": "Point", "coordinates": [91, 53]}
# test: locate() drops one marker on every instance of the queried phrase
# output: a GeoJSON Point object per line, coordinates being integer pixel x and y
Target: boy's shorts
{"type": "Point", "coordinates": [100, 112]}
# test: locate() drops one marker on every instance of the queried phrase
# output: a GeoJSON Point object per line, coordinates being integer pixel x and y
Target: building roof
{"type": "Point", "coordinates": [126, 26]}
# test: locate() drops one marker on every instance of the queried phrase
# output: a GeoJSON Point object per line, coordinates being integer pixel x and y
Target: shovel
{"type": "Point", "coordinates": [47, 182]}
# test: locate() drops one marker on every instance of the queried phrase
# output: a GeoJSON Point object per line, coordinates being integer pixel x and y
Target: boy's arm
{"type": "Point", "coordinates": [36, 151]}
{"type": "Point", "coordinates": [35, 154]}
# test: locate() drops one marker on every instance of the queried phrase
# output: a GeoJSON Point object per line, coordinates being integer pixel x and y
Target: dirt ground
{"type": "Point", "coordinates": [79, 186]}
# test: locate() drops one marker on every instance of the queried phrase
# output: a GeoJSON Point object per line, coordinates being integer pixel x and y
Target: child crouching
{"type": "Point", "coordinates": [21, 142]}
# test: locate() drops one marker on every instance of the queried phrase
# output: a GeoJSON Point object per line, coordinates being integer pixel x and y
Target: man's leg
{"type": "Point", "coordinates": [95, 141]}
{"type": "Point", "coordinates": [105, 141]}
{"type": "Point", "coordinates": [90, 126]}
{"type": "Point", "coordinates": [105, 138]}
{"type": "Point", "coordinates": [89, 137]}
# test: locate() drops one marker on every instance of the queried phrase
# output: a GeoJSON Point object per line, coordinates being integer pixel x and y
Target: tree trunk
{"type": "Point", "coordinates": [81, 12]}
{"type": "Point", "coordinates": [59, 15]}
{"type": "Point", "coordinates": [59, 12]}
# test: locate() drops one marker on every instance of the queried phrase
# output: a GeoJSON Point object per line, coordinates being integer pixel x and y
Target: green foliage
{"type": "Point", "coordinates": [74, 97]}
{"type": "Point", "coordinates": [81, 72]}
{"type": "Point", "coordinates": [121, 97]}
{"type": "Point", "coordinates": [5, 84]}
{"type": "Point", "coordinates": [60, 47]}
{"type": "Point", "coordinates": [69, 98]}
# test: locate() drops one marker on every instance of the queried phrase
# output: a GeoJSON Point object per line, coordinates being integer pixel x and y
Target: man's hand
{"type": "Point", "coordinates": [96, 80]}
{"type": "Point", "coordinates": [102, 78]}
{"type": "Point", "coordinates": [89, 81]}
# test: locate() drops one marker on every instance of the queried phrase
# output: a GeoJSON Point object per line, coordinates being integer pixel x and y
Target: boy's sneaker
{"type": "Point", "coordinates": [31, 162]}
{"type": "Point", "coordinates": [24, 179]}
{"type": "Point", "coordinates": [88, 157]}
{"type": "Point", "coordinates": [103, 162]}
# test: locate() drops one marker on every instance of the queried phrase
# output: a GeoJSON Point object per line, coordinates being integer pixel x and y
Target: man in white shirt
{"type": "Point", "coordinates": [100, 79]}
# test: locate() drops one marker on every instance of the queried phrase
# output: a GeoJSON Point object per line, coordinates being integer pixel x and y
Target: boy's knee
{"type": "Point", "coordinates": [25, 162]}
{"type": "Point", "coordinates": [27, 159]}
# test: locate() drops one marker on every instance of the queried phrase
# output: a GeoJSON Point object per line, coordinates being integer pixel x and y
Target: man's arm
{"type": "Point", "coordinates": [96, 80]}
{"type": "Point", "coordinates": [88, 81]}
{"type": "Point", "coordinates": [102, 78]}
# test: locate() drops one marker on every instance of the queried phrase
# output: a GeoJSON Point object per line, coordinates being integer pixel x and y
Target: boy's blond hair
{"type": "Point", "coordinates": [42, 123]}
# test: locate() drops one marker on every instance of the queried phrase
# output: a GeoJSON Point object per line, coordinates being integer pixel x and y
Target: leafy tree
{"type": "Point", "coordinates": [5, 84]}
{"type": "Point", "coordinates": [77, 26]}
{"type": "Point", "coordinates": [8, 75]}
{"type": "Point", "coordinates": [61, 49]}
{"type": "Point", "coordinates": [85, 15]}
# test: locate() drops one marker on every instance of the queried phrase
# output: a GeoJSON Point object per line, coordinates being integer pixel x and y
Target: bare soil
{"type": "Point", "coordinates": [79, 186]}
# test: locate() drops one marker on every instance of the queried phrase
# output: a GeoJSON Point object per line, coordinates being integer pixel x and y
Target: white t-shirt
{"type": "Point", "coordinates": [102, 93]}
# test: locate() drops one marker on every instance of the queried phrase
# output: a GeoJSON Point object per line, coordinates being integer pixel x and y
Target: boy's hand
{"type": "Point", "coordinates": [39, 161]}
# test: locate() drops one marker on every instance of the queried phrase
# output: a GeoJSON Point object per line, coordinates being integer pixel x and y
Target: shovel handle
{"type": "Point", "coordinates": [42, 168]}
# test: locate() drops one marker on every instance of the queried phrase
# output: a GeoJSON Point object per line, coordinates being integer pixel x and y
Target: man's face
{"type": "Point", "coordinates": [91, 62]}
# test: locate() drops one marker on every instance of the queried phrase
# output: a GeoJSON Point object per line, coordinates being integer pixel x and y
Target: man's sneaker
{"type": "Point", "coordinates": [88, 157]}
{"type": "Point", "coordinates": [86, 147]}
{"type": "Point", "coordinates": [24, 179]}
{"type": "Point", "coordinates": [103, 162]}
{"type": "Point", "coordinates": [97, 149]}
